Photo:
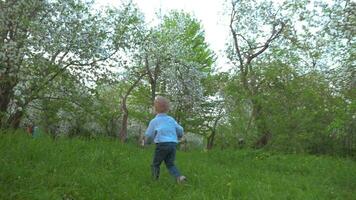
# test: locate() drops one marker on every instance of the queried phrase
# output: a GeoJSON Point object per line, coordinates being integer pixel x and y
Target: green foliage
{"type": "Point", "coordinates": [104, 169]}
{"type": "Point", "coordinates": [301, 111]}
{"type": "Point", "coordinates": [191, 35]}
{"type": "Point", "coordinates": [299, 89]}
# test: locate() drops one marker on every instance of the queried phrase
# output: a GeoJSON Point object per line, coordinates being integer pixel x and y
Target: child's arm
{"type": "Point", "coordinates": [179, 130]}
{"type": "Point", "coordinates": [149, 133]}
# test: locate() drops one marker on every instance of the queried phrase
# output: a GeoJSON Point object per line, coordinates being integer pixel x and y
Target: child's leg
{"type": "Point", "coordinates": [169, 161]}
{"type": "Point", "coordinates": [158, 157]}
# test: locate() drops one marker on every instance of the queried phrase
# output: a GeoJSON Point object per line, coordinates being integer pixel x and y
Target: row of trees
{"type": "Point", "coordinates": [72, 69]}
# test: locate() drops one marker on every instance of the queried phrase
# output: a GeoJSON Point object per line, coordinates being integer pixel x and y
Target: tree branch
{"type": "Point", "coordinates": [234, 36]}
{"type": "Point", "coordinates": [273, 36]}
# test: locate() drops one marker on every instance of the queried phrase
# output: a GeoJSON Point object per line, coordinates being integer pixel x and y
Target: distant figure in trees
{"type": "Point", "coordinates": [165, 132]}
{"type": "Point", "coordinates": [30, 128]}
{"type": "Point", "coordinates": [241, 142]}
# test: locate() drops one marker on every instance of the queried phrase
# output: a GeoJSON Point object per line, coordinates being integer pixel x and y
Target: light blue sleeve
{"type": "Point", "coordinates": [150, 130]}
{"type": "Point", "coordinates": [179, 130]}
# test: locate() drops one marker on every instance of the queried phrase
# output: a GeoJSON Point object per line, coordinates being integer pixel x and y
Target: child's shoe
{"type": "Point", "coordinates": [181, 179]}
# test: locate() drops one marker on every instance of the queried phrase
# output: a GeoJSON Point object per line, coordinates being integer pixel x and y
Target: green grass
{"type": "Point", "coordinates": [105, 169]}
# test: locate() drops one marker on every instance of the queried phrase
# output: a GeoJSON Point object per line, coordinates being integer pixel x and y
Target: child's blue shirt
{"type": "Point", "coordinates": [164, 128]}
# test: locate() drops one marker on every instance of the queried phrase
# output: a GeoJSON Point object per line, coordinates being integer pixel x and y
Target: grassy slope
{"type": "Point", "coordinates": [105, 169]}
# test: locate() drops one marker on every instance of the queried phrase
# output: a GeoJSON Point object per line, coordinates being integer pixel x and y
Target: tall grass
{"type": "Point", "coordinates": [43, 168]}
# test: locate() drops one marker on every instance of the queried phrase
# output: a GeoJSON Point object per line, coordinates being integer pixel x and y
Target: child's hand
{"type": "Point", "coordinates": [182, 139]}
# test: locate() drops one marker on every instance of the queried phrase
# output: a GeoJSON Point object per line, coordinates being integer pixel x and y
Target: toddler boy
{"type": "Point", "coordinates": [165, 132]}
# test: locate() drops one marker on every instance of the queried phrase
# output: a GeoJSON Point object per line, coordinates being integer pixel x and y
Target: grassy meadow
{"type": "Point", "coordinates": [102, 168]}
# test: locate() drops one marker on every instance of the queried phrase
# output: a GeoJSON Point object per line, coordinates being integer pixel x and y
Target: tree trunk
{"type": "Point", "coordinates": [5, 97]}
{"type": "Point", "coordinates": [153, 77]}
{"type": "Point", "coordinates": [125, 116]}
{"type": "Point", "coordinates": [263, 140]}
{"type": "Point", "coordinates": [261, 126]}
{"type": "Point", "coordinates": [211, 139]}
{"type": "Point", "coordinates": [4, 101]}
{"type": "Point", "coordinates": [153, 91]}
{"type": "Point", "coordinates": [15, 119]}
{"type": "Point", "coordinates": [123, 130]}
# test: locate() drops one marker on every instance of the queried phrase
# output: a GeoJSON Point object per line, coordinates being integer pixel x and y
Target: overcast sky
{"type": "Point", "coordinates": [209, 12]}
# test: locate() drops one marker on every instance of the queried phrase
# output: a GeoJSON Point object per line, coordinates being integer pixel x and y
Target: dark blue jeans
{"type": "Point", "coordinates": [165, 151]}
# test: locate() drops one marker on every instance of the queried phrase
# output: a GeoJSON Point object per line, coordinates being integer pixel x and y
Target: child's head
{"type": "Point", "coordinates": [161, 104]}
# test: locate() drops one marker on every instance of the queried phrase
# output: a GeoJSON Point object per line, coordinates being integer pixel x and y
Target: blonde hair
{"type": "Point", "coordinates": [161, 104]}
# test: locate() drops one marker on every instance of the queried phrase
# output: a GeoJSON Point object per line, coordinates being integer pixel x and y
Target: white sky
{"type": "Point", "coordinates": [209, 12]}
